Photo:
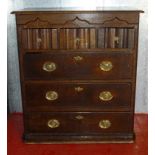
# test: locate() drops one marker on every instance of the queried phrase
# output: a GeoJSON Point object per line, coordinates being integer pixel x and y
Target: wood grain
{"type": "Point", "coordinates": [61, 37]}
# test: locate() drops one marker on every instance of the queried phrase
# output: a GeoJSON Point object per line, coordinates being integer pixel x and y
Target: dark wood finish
{"type": "Point", "coordinates": [85, 100]}
{"type": "Point", "coordinates": [59, 35]}
{"type": "Point", "coordinates": [87, 68]}
{"type": "Point", "coordinates": [69, 124]}
{"type": "Point", "coordinates": [89, 38]}
{"type": "Point", "coordinates": [114, 137]}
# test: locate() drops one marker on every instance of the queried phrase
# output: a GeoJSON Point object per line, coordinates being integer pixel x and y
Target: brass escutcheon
{"type": "Point", "coordinates": [79, 117]}
{"type": "Point", "coordinates": [78, 89]}
{"type": "Point", "coordinates": [53, 123]}
{"type": "Point", "coordinates": [78, 58]}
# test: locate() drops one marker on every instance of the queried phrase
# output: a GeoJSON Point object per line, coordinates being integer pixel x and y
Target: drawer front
{"type": "Point", "coordinates": [77, 38]}
{"type": "Point", "coordinates": [99, 65]}
{"type": "Point", "coordinates": [79, 123]}
{"type": "Point", "coordinates": [52, 96]}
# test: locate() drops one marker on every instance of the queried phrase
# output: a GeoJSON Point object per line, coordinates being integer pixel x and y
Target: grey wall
{"type": "Point", "coordinates": [14, 95]}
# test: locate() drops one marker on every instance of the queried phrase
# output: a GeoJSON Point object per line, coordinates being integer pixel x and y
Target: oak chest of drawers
{"type": "Point", "coordinates": [78, 74]}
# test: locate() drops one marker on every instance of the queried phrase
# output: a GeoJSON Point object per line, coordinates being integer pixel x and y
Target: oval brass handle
{"type": "Point", "coordinates": [78, 89]}
{"type": "Point", "coordinates": [49, 66]}
{"type": "Point", "coordinates": [78, 58]}
{"type": "Point", "coordinates": [106, 66]}
{"type": "Point", "coordinates": [51, 95]}
{"type": "Point", "coordinates": [104, 124]}
{"type": "Point", "coordinates": [79, 117]}
{"type": "Point", "coordinates": [105, 96]}
{"type": "Point", "coordinates": [53, 123]}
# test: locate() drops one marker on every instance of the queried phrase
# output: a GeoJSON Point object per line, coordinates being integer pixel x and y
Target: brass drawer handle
{"type": "Point", "coordinates": [78, 40]}
{"type": "Point", "coordinates": [53, 123]}
{"type": "Point", "coordinates": [49, 66]}
{"type": "Point", "coordinates": [106, 66]}
{"type": "Point", "coordinates": [39, 40]}
{"type": "Point", "coordinates": [104, 124]}
{"type": "Point", "coordinates": [105, 96]}
{"type": "Point", "coordinates": [79, 117]}
{"type": "Point", "coordinates": [51, 95]}
{"type": "Point", "coordinates": [116, 39]}
{"type": "Point", "coordinates": [78, 58]}
{"type": "Point", "coordinates": [78, 89]}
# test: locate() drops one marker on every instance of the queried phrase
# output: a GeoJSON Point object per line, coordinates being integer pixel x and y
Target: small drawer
{"type": "Point", "coordinates": [79, 123]}
{"type": "Point", "coordinates": [84, 65]}
{"type": "Point", "coordinates": [51, 96]}
{"type": "Point", "coordinates": [78, 38]}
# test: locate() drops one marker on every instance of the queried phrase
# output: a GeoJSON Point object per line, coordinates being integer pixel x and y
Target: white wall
{"type": "Point", "coordinates": [14, 95]}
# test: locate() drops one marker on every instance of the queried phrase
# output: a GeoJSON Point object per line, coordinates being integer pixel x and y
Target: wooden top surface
{"type": "Point", "coordinates": [75, 9]}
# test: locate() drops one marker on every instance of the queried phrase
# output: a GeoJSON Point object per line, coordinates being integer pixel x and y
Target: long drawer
{"type": "Point", "coordinates": [79, 123]}
{"type": "Point", "coordinates": [51, 96]}
{"type": "Point", "coordinates": [75, 65]}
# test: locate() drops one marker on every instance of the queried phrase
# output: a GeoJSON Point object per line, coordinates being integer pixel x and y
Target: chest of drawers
{"type": "Point", "coordinates": [78, 74]}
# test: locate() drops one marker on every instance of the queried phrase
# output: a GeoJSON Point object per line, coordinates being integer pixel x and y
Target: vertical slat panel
{"type": "Point", "coordinates": [106, 38]}
{"type": "Point", "coordinates": [130, 38]}
{"type": "Point", "coordinates": [61, 43]}
{"type": "Point", "coordinates": [67, 38]}
{"type": "Point", "coordinates": [38, 38]}
{"type": "Point", "coordinates": [54, 39]}
{"type": "Point", "coordinates": [86, 38]}
{"type": "Point", "coordinates": [101, 37]}
{"type": "Point", "coordinates": [112, 38]}
{"type": "Point", "coordinates": [96, 37]}
{"type": "Point", "coordinates": [36, 44]}
{"type": "Point", "coordinates": [43, 39]}
{"type": "Point", "coordinates": [77, 36]}
{"type": "Point", "coordinates": [63, 39]}
{"type": "Point", "coordinates": [92, 38]}
{"type": "Point", "coordinates": [120, 35]}
{"type": "Point", "coordinates": [29, 38]}
{"type": "Point", "coordinates": [70, 34]}
{"type": "Point", "coordinates": [24, 39]}
{"type": "Point", "coordinates": [74, 38]}
{"type": "Point", "coordinates": [125, 35]}
{"type": "Point", "coordinates": [70, 37]}
{"type": "Point", "coordinates": [81, 38]}
{"type": "Point", "coordinates": [57, 32]}
{"type": "Point", "coordinates": [47, 39]}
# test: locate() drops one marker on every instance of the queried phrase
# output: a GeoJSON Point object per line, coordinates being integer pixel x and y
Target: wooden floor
{"type": "Point", "coordinates": [17, 147]}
